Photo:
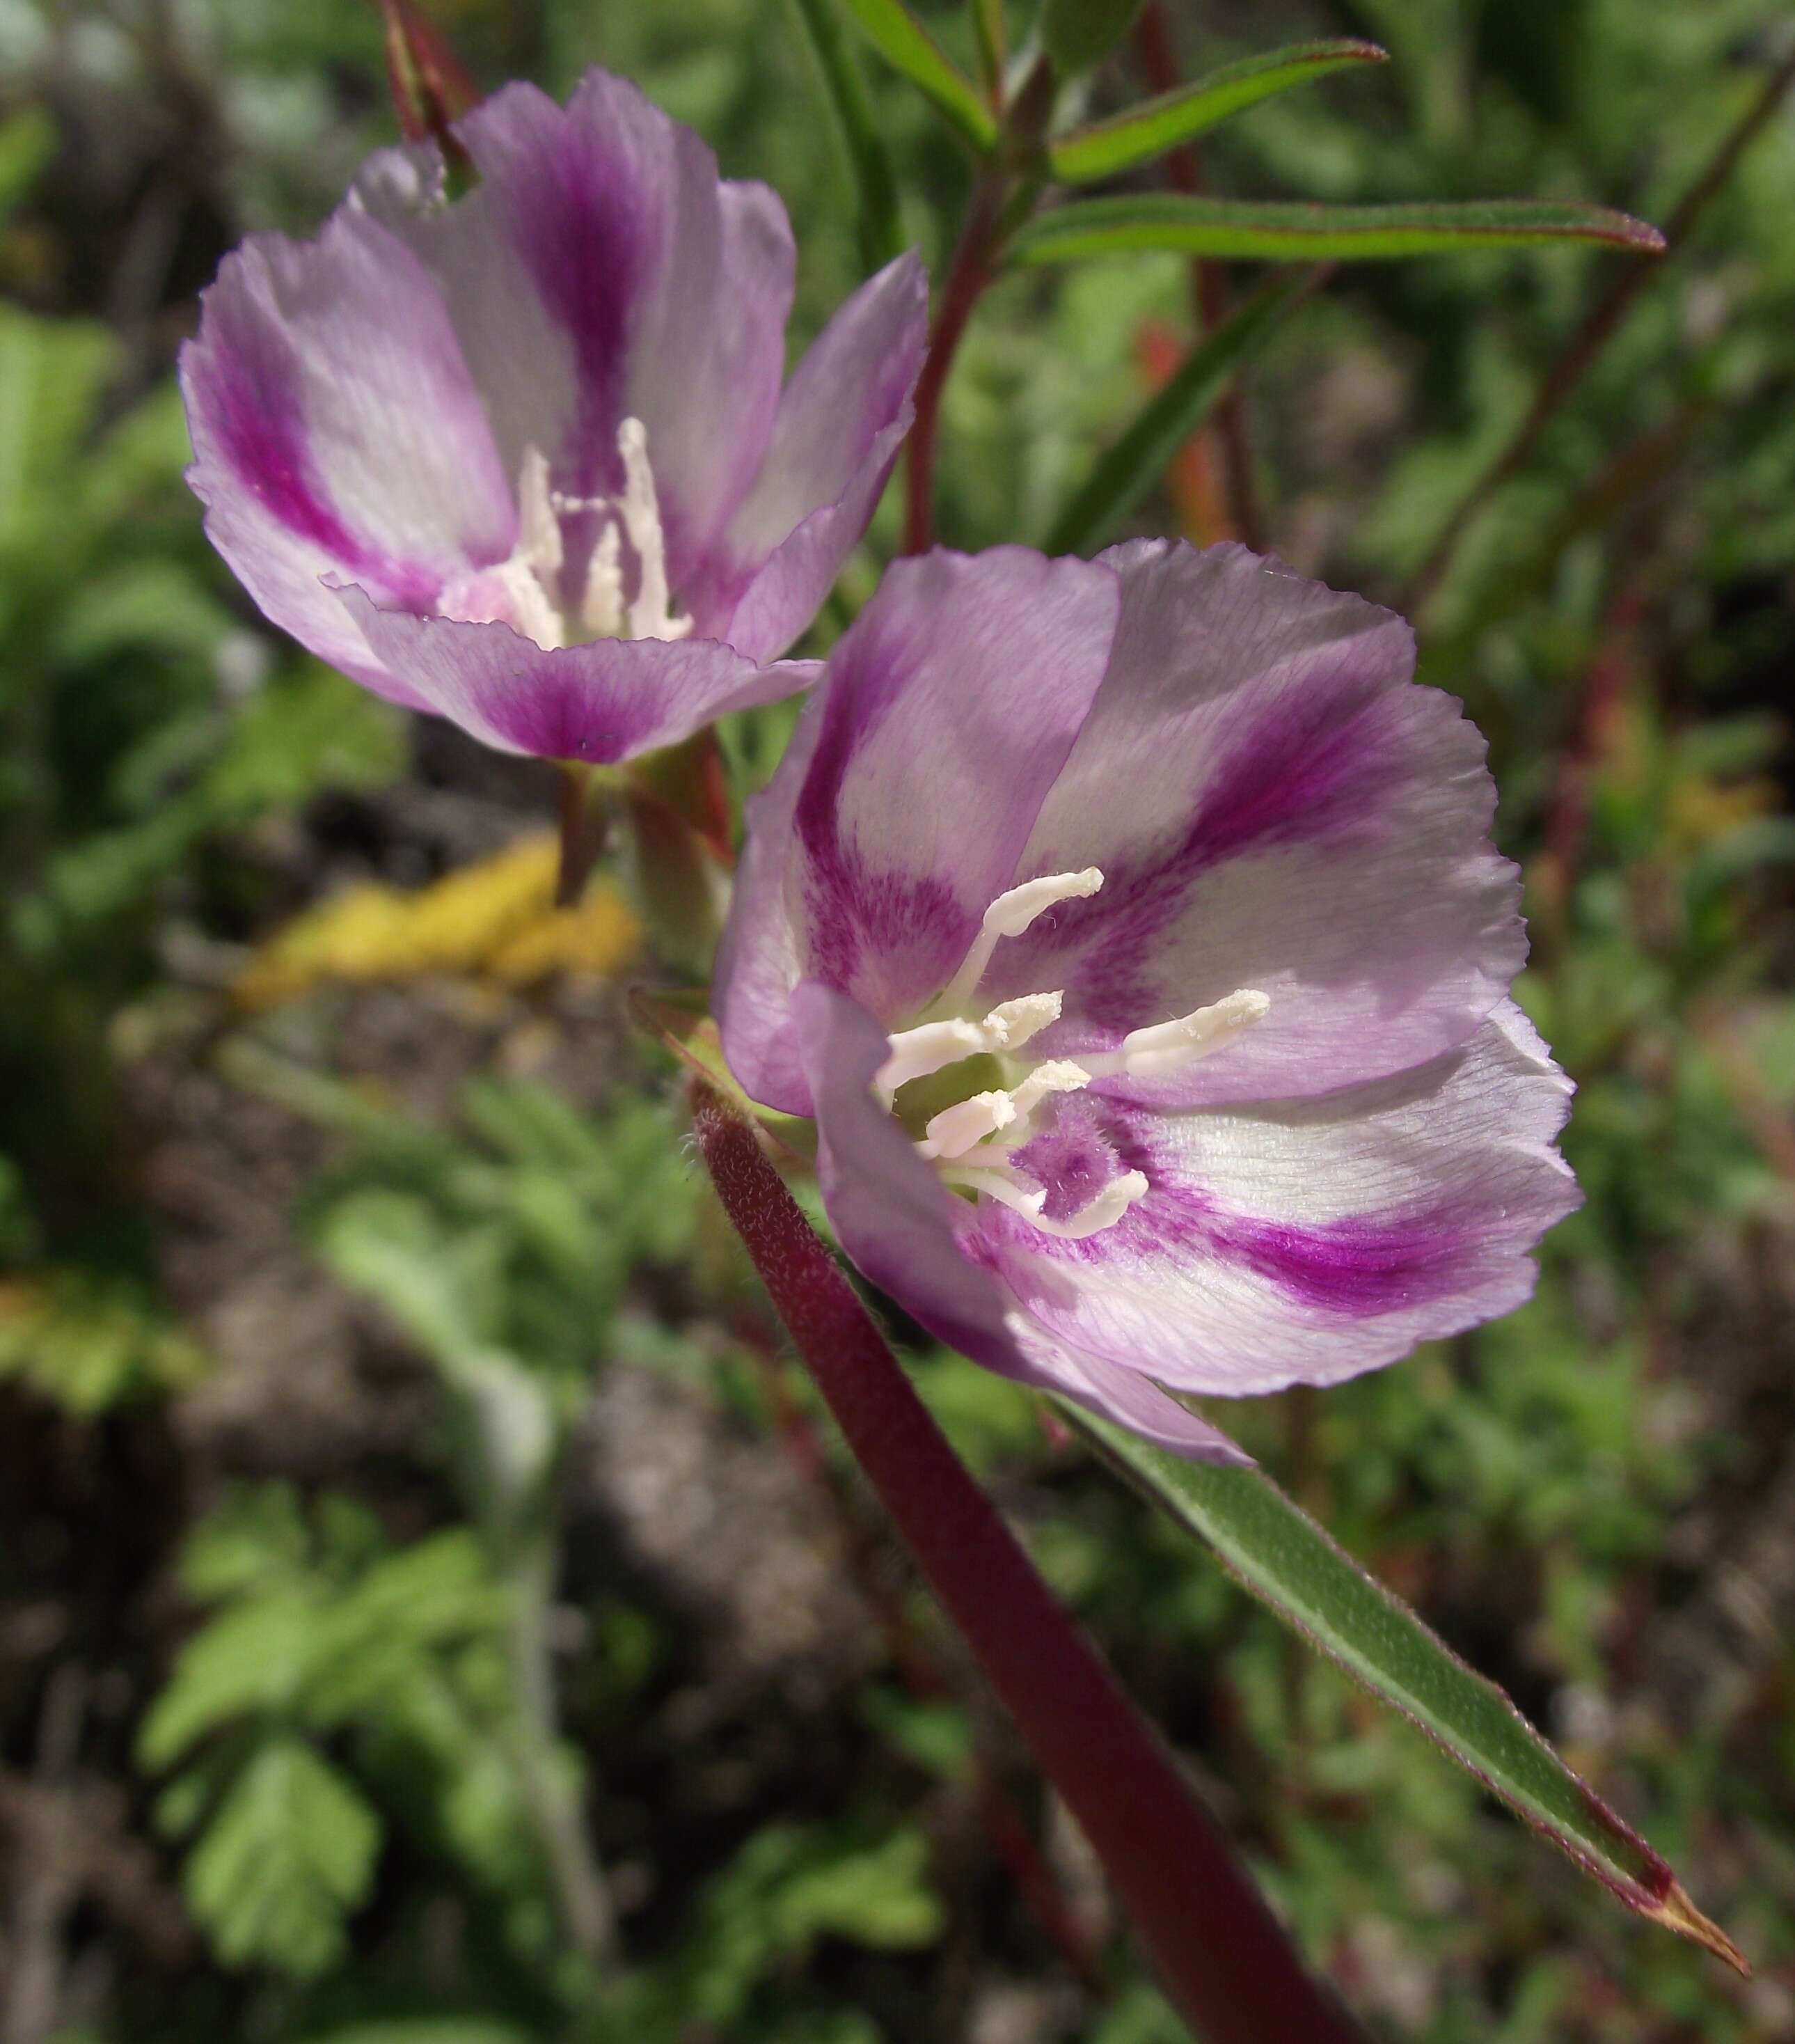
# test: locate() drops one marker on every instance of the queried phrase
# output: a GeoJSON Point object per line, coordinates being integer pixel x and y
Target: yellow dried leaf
{"type": "Point", "coordinates": [495, 920]}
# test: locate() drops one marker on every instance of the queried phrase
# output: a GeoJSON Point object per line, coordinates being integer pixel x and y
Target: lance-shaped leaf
{"type": "Point", "coordinates": [904, 44]}
{"type": "Point", "coordinates": [1289, 230]}
{"type": "Point", "coordinates": [1131, 468]}
{"type": "Point", "coordinates": [1290, 1563]}
{"type": "Point", "coordinates": [1107, 147]}
{"type": "Point", "coordinates": [876, 223]}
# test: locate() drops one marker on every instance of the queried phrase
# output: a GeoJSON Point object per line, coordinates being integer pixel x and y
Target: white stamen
{"type": "Point", "coordinates": [1003, 1186]}
{"type": "Point", "coordinates": [974, 1141]}
{"type": "Point", "coordinates": [1010, 1024]}
{"type": "Point", "coordinates": [538, 530]}
{"type": "Point", "coordinates": [601, 608]}
{"type": "Point", "coordinates": [1164, 1047]}
{"type": "Point", "coordinates": [957, 1129]}
{"type": "Point", "coordinates": [650, 617]}
{"type": "Point", "coordinates": [1008, 917]}
{"type": "Point", "coordinates": [526, 606]}
{"type": "Point", "coordinates": [915, 1053]}
{"type": "Point", "coordinates": [1103, 1211]}
{"type": "Point", "coordinates": [1053, 1075]}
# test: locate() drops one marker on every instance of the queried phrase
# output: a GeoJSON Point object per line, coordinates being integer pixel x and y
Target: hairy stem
{"type": "Point", "coordinates": [1222, 1953]}
{"type": "Point", "coordinates": [1586, 344]}
{"type": "Point", "coordinates": [1004, 1828]}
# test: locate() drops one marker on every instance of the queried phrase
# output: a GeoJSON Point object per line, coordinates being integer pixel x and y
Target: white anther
{"type": "Point", "coordinates": [1052, 1075]}
{"type": "Point", "coordinates": [639, 506]}
{"type": "Point", "coordinates": [526, 606]}
{"type": "Point", "coordinates": [1165, 1047]}
{"type": "Point", "coordinates": [1017, 907]}
{"type": "Point", "coordinates": [957, 1129]}
{"type": "Point", "coordinates": [1001, 1184]}
{"type": "Point", "coordinates": [601, 608]}
{"type": "Point", "coordinates": [915, 1053]}
{"type": "Point", "coordinates": [1103, 1211]}
{"type": "Point", "coordinates": [538, 530]}
{"type": "Point", "coordinates": [1010, 1024]}
{"type": "Point", "coordinates": [1009, 916]}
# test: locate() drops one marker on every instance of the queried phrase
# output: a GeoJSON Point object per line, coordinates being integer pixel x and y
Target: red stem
{"type": "Point", "coordinates": [1224, 1956]}
{"type": "Point", "coordinates": [968, 272]}
{"type": "Point", "coordinates": [1209, 287]}
{"type": "Point", "coordinates": [1007, 1834]}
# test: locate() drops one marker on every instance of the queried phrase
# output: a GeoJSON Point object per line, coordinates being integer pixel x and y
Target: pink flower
{"type": "Point", "coordinates": [524, 459]}
{"type": "Point", "coordinates": [1132, 930]}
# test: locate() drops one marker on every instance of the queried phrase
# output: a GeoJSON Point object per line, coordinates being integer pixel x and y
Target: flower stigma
{"type": "Point", "coordinates": [525, 590]}
{"type": "Point", "coordinates": [973, 1138]}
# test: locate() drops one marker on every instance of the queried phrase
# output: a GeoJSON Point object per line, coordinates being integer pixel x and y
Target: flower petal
{"type": "Point", "coordinates": [1305, 1241]}
{"type": "Point", "coordinates": [597, 703]}
{"type": "Point", "coordinates": [761, 957]}
{"type": "Point", "coordinates": [949, 708]}
{"type": "Point", "coordinates": [1274, 805]}
{"type": "Point", "coordinates": [898, 1224]}
{"type": "Point", "coordinates": [841, 421]}
{"type": "Point", "coordinates": [600, 270]}
{"type": "Point", "coordinates": [336, 430]}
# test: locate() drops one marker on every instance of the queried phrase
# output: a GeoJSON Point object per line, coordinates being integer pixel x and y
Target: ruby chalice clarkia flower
{"type": "Point", "coordinates": [524, 458]}
{"type": "Point", "coordinates": [1132, 930]}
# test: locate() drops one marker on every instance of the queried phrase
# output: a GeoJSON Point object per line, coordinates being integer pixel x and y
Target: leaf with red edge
{"type": "Point", "coordinates": [431, 91]}
{"type": "Point", "coordinates": [1275, 1550]}
{"type": "Point", "coordinates": [1295, 231]}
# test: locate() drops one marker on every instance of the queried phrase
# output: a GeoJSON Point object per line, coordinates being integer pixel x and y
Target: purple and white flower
{"type": "Point", "coordinates": [1132, 930]}
{"type": "Point", "coordinates": [524, 458]}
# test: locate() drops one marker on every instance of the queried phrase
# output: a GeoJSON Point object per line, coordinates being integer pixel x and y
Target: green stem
{"type": "Point", "coordinates": [581, 1899]}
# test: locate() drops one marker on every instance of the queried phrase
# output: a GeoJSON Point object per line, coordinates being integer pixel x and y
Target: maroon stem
{"type": "Point", "coordinates": [969, 272]}
{"type": "Point", "coordinates": [1004, 1828]}
{"type": "Point", "coordinates": [1592, 337]}
{"type": "Point", "coordinates": [1209, 288]}
{"type": "Point", "coordinates": [1224, 1956]}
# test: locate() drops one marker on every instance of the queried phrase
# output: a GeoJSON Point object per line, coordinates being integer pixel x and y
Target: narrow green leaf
{"type": "Point", "coordinates": [876, 223]}
{"type": "Point", "coordinates": [1129, 471]}
{"type": "Point", "coordinates": [991, 34]}
{"type": "Point", "coordinates": [1279, 1554]}
{"type": "Point", "coordinates": [1292, 231]}
{"type": "Point", "coordinates": [904, 44]}
{"type": "Point", "coordinates": [1106, 147]}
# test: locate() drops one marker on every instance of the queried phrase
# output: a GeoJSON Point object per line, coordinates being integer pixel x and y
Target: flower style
{"type": "Point", "coordinates": [522, 458]}
{"type": "Point", "coordinates": [1132, 930]}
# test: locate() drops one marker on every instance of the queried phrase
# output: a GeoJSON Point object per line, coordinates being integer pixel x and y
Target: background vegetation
{"type": "Point", "coordinates": [430, 1610]}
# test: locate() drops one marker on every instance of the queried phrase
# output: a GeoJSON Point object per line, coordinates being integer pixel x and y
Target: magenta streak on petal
{"type": "Point", "coordinates": [1353, 1269]}
{"type": "Point", "coordinates": [867, 929]}
{"type": "Point", "coordinates": [1320, 761]}
{"type": "Point", "coordinates": [590, 227]}
{"type": "Point", "coordinates": [263, 430]}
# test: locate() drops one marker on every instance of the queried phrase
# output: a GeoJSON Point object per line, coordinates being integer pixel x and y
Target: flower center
{"type": "Point", "coordinates": [973, 1137]}
{"type": "Point", "coordinates": [525, 591]}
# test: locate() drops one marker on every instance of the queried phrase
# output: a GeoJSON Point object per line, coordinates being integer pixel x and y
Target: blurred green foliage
{"type": "Point", "coordinates": [337, 1748]}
